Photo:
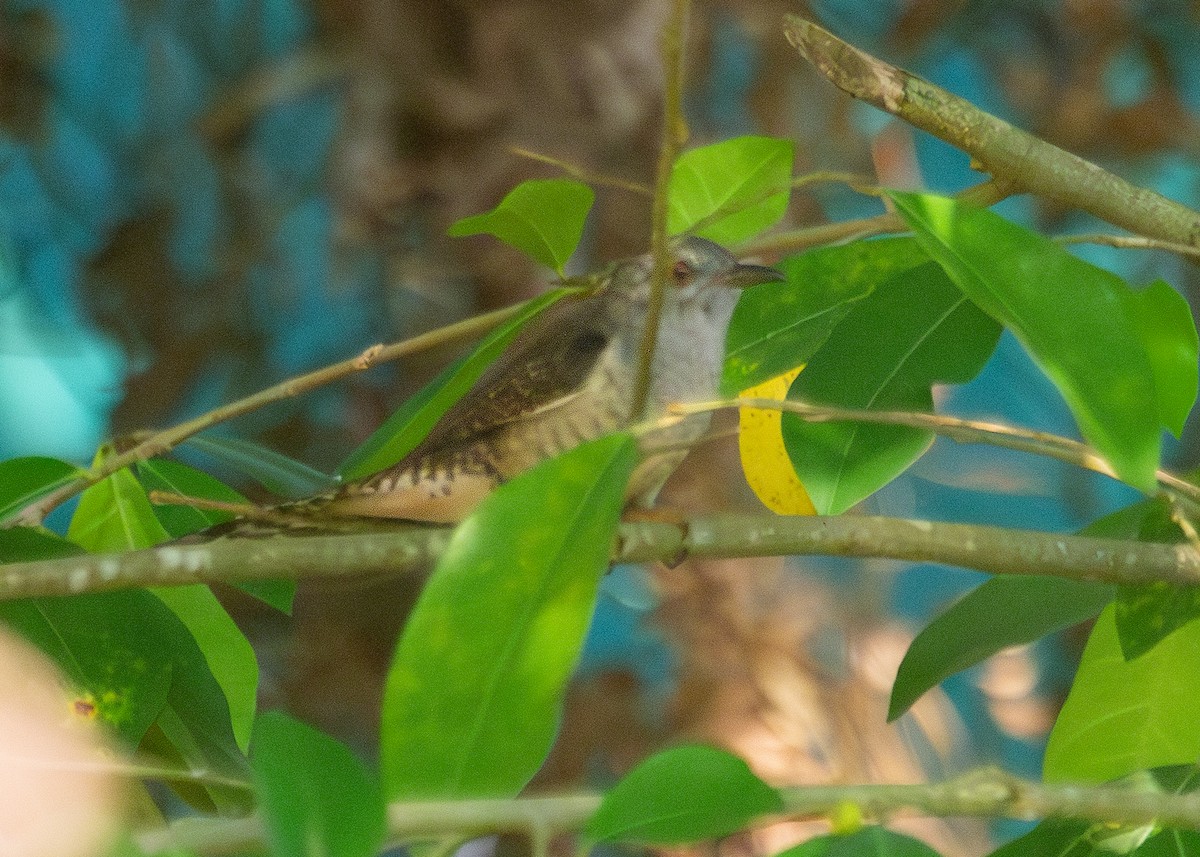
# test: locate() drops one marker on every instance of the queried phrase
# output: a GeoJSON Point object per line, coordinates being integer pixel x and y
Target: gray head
{"type": "Point", "coordinates": [698, 266]}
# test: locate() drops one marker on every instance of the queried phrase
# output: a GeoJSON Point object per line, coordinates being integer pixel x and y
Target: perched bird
{"type": "Point", "coordinates": [567, 378]}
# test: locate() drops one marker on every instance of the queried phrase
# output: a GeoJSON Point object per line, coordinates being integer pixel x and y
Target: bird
{"type": "Point", "coordinates": [568, 377]}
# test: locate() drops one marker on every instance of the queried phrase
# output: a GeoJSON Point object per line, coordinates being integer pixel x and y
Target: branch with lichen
{"type": "Point", "coordinates": [408, 550]}
{"type": "Point", "coordinates": [984, 793]}
{"type": "Point", "coordinates": [996, 147]}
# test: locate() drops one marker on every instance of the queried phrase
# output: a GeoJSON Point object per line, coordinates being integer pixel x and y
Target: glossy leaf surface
{"type": "Point", "coordinates": [913, 331]}
{"type": "Point", "coordinates": [315, 796]}
{"type": "Point", "coordinates": [732, 190]}
{"type": "Point", "coordinates": [1071, 317]}
{"type": "Point", "coordinates": [542, 218]}
{"type": "Point", "coordinates": [473, 696]}
{"type": "Point", "coordinates": [685, 794]}
{"type": "Point", "coordinates": [778, 326]}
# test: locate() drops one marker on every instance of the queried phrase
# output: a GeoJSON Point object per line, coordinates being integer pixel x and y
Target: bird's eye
{"type": "Point", "coordinates": [682, 272]}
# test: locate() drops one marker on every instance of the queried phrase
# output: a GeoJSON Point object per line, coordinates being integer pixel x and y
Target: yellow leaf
{"type": "Point", "coordinates": [764, 458]}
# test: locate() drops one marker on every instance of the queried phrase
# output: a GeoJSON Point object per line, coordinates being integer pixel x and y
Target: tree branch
{"type": "Point", "coordinates": [995, 550]}
{"type": "Point", "coordinates": [1042, 443]}
{"type": "Point", "coordinates": [983, 195]}
{"type": "Point", "coordinates": [166, 440]}
{"type": "Point", "coordinates": [997, 147]}
{"type": "Point", "coordinates": [987, 793]}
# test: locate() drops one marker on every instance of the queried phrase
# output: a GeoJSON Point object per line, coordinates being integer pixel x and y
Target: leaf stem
{"type": "Point", "coordinates": [960, 430]}
{"type": "Point", "coordinates": [578, 172]}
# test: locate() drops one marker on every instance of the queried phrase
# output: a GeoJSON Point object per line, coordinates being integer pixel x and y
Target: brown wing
{"type": "Point", "coordinates": [548, 362]}
{"type": "Point", "coordinates": [452, 468]}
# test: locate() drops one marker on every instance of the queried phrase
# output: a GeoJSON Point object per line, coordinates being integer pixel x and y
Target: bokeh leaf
{"type": "Point", "coordinates": [871, 841]}
{"type": "Point", "coordinates": [764, 455]}
{"type": "Point", "coordinates": [685, 794]}
{"type": "Point", "coordinates": [407, 427]}
{"type": "Point", "coordinates": [778, 326]}
{"type": "Point", "coordinates": [283, 476]}
{"type": "Point", "coordinates": [27, 480]}
{"type": "Point", "coordinates": [1124, 716]}
{"type": "Point", "coordinates": [473, 696]}
{"type": "Point", "coordinates": [541, 217]}
{"type": "Point", "coordinates": [732, 190]}
{"type": "Point", "coordinates": [1070, 316]}
{"type": "Point", "coordinates": [315, 796]}
{"type": "Point", "coordinates": [914, 330]}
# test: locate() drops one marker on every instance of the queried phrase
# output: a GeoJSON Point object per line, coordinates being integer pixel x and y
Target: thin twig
{"type": "Point", "coordinates": [166, 440]}
{"type": "Point", "coordinates": [170, 498]}
{"type": "Point", "coordinates": [994, 145]}
{"type": "Point", "coordinates": [862, 184]}
{"type": "Point", "coordinates": [674, 135]}
{"type": "Point", "coordinates": [578, 172]}
{"type": "Point", "coordinates": [983, 195]}
{"type": "Point", "coordinates": [960, 430]}
{"type": "Point", "coordinates": [1130, 242]}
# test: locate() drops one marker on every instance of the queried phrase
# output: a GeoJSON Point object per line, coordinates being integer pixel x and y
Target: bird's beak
{"type": "Point", "coordinates": [743, 276]}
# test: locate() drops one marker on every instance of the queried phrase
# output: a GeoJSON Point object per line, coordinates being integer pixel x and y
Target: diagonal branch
{"type": "Point", "coordinates": [163, 441]}
{"type": "Point", "coordinates": [995, 146]}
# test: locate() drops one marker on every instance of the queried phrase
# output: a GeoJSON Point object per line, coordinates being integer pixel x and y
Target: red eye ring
{"type": "Point", "coordinates": [682, 272]}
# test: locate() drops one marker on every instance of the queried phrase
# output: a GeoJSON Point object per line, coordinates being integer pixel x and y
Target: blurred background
{"type": "Point", "coordinates": [198, 199]}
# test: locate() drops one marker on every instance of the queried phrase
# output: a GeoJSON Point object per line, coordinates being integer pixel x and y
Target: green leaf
{"type": "Point", "coordinates": [1002, 612]}
{"type": "Point", "coordinates": [1124, 716]}
{"type": "Point", "coordinates": [27, 544]}
{"type": "Point", "coordinates": [163, 474]}
{"type": "Point", "coordinates": [283, 476]}
{"type": "Point", "coordinates": [732, 190]}
{"type": "Point", "coordinates": [133, 663]}
{"type": "Point", "coordinates": [685, 794]}
{"type": "Point", "coordinates": [542, 218]}
{"type": "Point", "coordinates": [228, 653]}
{"type": "Point", "coordinates": [1071, 317]}
{"type": "Point", "coordinates": [1163, 321]}
{"type": "Point", "coordinates": [1169, 843]}
{"type": "Point", "coordinates": [1147, 613]}
{"type": "Point", "coordinates": [1054, 838]}
{"type": "Point", "coordinates": [870, 841]}
{"type": "Point", "coordinates": [315, 796]}
{"type": "Point", "coordinates": [914, 330]}
{"type": "Point", "coordinates": [115, 515]}
{"type": "Point", "coordinates": [408, 426]}
{"type": "Point", "coordinates": [27, 480]}
{"type": "Point", "coordinates": [473, 696]}
{"type": "Point", "coordinates": [104, 646]}
{"type": "Point", "coordinates": [1010, 611]}
{"type": "Point", "coordinates": [778, 326]}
